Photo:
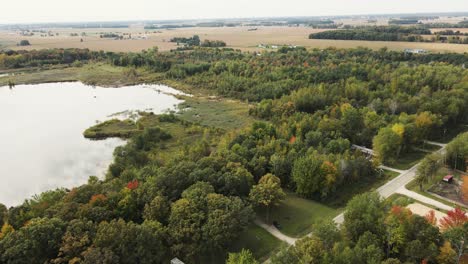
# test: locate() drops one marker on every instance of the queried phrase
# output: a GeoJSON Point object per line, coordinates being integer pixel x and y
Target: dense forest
{"type": "Point", "coordinates": [388, 33]}
{"type": "Point", "coordinates": [311, 107]}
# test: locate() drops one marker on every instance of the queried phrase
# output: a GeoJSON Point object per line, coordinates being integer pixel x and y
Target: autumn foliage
{"type": "Point", "coordinates": [464, 189]}
{"type": "Point", "coordinates": [97, 199]}
{"type": "Point", "coordinates": [292, 139]}
{"type": "Point", "coordinates": [132, 185]}
{"type": "Point", "coordinates": [430, 217]}
{"type": "Point", "coordinates": [454, 218]}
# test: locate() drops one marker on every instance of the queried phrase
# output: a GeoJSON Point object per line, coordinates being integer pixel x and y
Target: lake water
{"type": "Point", "coordinates": [41, 142]}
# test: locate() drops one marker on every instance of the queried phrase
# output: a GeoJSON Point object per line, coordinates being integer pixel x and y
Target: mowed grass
{"type": "Point", "coordinates": [408, 160]}
{"type": "Point", "coordinates": [297, 215]}
{"type": "Point", "coordinates": [256, 239]}
{"type": "Point", "coordinates": [342, 197]}
{"type": "Point", "coordinates": [220, 113]}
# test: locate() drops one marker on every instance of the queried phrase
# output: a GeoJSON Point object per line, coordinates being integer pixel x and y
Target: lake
{"type": "Point", "coordinates": [41, 142]}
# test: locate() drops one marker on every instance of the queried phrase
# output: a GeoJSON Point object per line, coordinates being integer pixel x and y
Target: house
{"type": "Point", "coordinates": [448, 178]}
{"type": "Point", "coordinates": [416, 51]}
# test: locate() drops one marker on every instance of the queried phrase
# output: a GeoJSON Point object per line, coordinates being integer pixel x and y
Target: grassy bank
{"type": "Point", "coordinates": [215, 112]}
{"type": "Point", "coordinates": [256, 239]}
{"type": "Point", "coordinates": [93, 74]}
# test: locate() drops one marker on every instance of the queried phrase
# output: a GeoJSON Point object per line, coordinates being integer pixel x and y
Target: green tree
{"type": "Point", "coordinates": [243, 257]}
{"type": "Point", "coordinates": [95, 255]}
{"type": "Point", "coordinates": [267, 192]}
{"type": "Point", "coordinates": [3, 214]}
{"type": "Point", "coordinates": [36, 242]}
{"type": "Point", "coordinates": [386, 145]}
{"type": "Point", "coordinates": [133, 243]}
{"type": "Point", "coordinates": [307, 176]}
{"type": "Point", "coordinates": [364, 213]}
{"type": "Point", "coordinates": [78, 237]}
{"type": "Point", "coordinates": [157, 210]}
{"type": "Point", "coordinates": [428, 168]}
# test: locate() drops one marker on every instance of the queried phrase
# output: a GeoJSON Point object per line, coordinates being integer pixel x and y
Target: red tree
{"type": "Point", "coordinates": [430, 217]}
{"type": "Point", "coordinates": [454, 218]}
{"type": "Point", "coordinates": [132, 185]}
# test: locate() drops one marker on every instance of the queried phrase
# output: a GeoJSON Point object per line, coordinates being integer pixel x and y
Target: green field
{"type": "Point", "coordinates": [257, 240]}
{"type": "Point", "coordinates": [296, 215]}
{"type": "Point", "coordinates": [220, 113]}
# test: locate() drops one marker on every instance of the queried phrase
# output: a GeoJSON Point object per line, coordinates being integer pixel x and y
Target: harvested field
{"type": "Point", "coordinates": [235, 37]}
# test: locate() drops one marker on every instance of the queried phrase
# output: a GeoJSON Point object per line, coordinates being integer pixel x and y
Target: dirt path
{"type": "Point", "coordinates": [275, 232]}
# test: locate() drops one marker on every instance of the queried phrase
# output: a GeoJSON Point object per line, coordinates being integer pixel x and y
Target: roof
{"type": "Point", "coordinates": [448, 177]}
{"type": "Point", "coordinates": [176, 261]}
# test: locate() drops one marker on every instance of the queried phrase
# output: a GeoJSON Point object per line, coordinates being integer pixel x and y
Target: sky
{"type": "Point", "coordinates": [26, 11]}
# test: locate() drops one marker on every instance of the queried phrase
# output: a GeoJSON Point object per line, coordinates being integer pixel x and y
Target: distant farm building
{"type": "Point", "coordinates": [416, 51]}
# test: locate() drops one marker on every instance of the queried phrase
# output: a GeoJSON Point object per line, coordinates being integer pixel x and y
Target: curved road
{"type": "Point", "coordinates": [397, 185]}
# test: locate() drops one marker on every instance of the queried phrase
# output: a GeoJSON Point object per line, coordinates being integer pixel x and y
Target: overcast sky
{"type": "Point", "coordinates": [13, 11]}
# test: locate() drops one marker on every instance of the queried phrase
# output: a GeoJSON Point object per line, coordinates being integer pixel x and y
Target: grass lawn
{"type": "Point", "coordinates": [297, 215]}
{"type": "Point", "coordinates": [341, 198]}
{"type": "Point", "coordinates": [220, 113]}
{"type": "Point", "coordinates": [430, 147]}
{"type": "Point", "coordinates": [257, 240]}
{"type": "Point", "coordinates": [408, 160]}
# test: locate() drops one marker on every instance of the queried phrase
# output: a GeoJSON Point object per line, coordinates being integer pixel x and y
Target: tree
{"type": "Point", "coordinates": [267, 192]}
{"type": "Point", "coordinates": [307, 176]}
{"type": "Point", "coordinates": [328, 233]}
{"type": "Point", "coordinates": [310, 250]}
{"type": "Point", "coordinates": [457, 236]}
{"type": "Point", "coordinates": [3, 214]}
{"type": "Point", "coordinates": [428, 168]}
{"type": "Point", "coordinates": [6, 229]}
{"type": "Point", "coordinates": [464, 188]}
{"type": "Point", "coordinates": [387, 144]}
{"type": "Point", "coordinates": [34, 243]}
{"type": "Point", "coordinates": [133, 243]}
{"type": "Point", "coordinates": [364, 213]}
{"type": "Point", "coordinates": [94, 255]}
{"type": "Point", "coordinates": [202, 221]}
{"type": "Point", "coordinates": [455, 218]}
{"type": "Point", "coordinates": [243, 257]}
{"type": "Point", "coordinates": [447, 255]}
{"type": "Point", "coordinates": [157, 210]}
{"type": "Point", "coordinates": [431, 218]}
{"type": "Point", "coordinates": [24, 43]}
{"type": "Point", "coordinates": [457, 152]}
{"type": "Point", "coordinates": [78, 237]}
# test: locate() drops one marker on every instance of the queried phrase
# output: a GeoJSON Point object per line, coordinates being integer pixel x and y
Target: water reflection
{"type": "Point", "coordinates": [41, 142]}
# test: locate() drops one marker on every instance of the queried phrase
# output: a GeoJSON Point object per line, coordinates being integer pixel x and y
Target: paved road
{"type": "Point", "coordinates": [397, 185]}
{"type": "Point", "coordinates": [421, 198]}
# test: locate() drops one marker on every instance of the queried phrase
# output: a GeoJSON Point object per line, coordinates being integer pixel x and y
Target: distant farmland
{"type": "Point", "coordinates": [235, 37]}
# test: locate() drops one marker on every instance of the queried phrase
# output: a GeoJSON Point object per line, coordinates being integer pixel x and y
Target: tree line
{"type": "Point", "coordinates": [388, 33]}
